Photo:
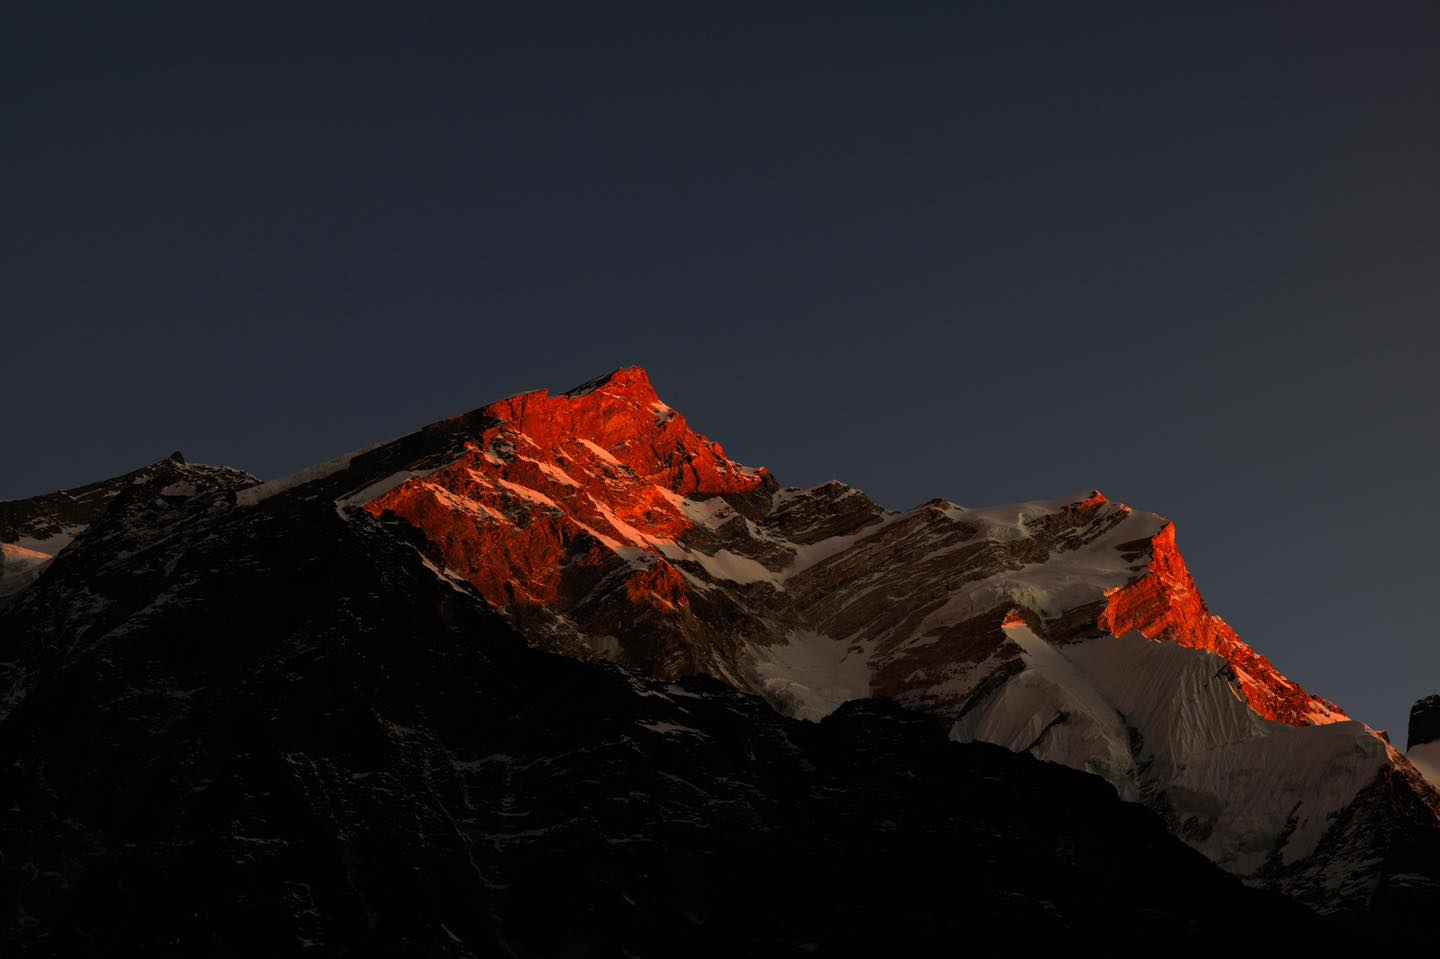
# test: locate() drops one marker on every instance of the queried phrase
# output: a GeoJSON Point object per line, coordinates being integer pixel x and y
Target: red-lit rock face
{"type": "Point", "coordinates": [1165, 603]}
{"type": "Point", "coordinates": [564, 491]}
{"type": "Point", "coordinates": [576, 504]}
{"type": "Point", "coordinates": [624, 417]}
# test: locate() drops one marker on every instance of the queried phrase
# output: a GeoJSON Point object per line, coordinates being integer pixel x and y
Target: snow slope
{"type": "Point", "coordinates": [1426, 759]}
{"type": "Point", "coordinates": [19, 567]}
{"type": "Point", "coordinates": [1168, 724]}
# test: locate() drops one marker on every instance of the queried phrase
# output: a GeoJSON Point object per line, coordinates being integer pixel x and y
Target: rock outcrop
{"type": "Point", "coordinates": [1422, 745]}
{"type": "Point", "coordinates": [1424, 722]}
{"type": "Point", "coordinates": [1165, 603]}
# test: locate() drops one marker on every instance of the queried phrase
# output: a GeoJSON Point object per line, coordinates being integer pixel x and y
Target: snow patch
{"type": "Point", "coordinates": [262, 492]}
{"type": "Point", "coordinates": [19, 567]}
{"type": "Point", "coordinates": [710, 513]}
{"type": "Point", "coordinates": [1053, 712]}
{"type": "Point", "coordinates": [733, 567]}
{"type": "Point", "coordinates": [813, 554]}
{"type": "Point", "coordinates": [1426, 758]}
{"type": "Point", "coordinates": [52, 544]}
{"type": "Point", "coordinates": [667, 729]}
{"type": "Point", "coordinates": [1059, 583]}
{"type": "Point", "coordinates": [601, 452]}
{"type": "Point", "coordinates": [381, 487]}
{"type": "Point", "coordinates": [554, 472]}
{"type": "Point", "coordinates": [812, 675]}
{"type": "Point", "coordinates": [463, 504]}
{"type": "Point", "coordinates": [534, 496]}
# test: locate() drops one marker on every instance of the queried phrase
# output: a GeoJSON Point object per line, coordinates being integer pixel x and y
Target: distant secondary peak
{"type": "Point", "coordinates": [1424, 722]}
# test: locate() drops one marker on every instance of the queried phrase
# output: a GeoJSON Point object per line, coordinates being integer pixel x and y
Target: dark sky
{"type": "Point", "coordinates": [990, 252]}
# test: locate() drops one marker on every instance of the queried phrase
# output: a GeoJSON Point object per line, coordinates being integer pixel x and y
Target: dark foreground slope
{"type": "Point", "coordinates": [277, 730]}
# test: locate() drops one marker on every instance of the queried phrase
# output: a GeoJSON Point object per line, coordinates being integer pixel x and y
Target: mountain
{"type": "Point", "coordinates": [597, 525]}
{"type": "Point", "coordinates": [1422, 745]}
{"type": "Point", "coordinates": [604, 526]}
{"type": "Point", "coordinates": [33, 530]}
{"type": "Point", "coordinates": [241, 720]}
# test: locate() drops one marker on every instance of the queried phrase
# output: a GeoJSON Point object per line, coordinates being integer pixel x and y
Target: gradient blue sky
{"type": "Point", "coordinates": [1185, 254]}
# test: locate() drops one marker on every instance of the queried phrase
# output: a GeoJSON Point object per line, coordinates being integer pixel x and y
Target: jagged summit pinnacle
{"type": "Point", "coordinates": [628, 378]}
